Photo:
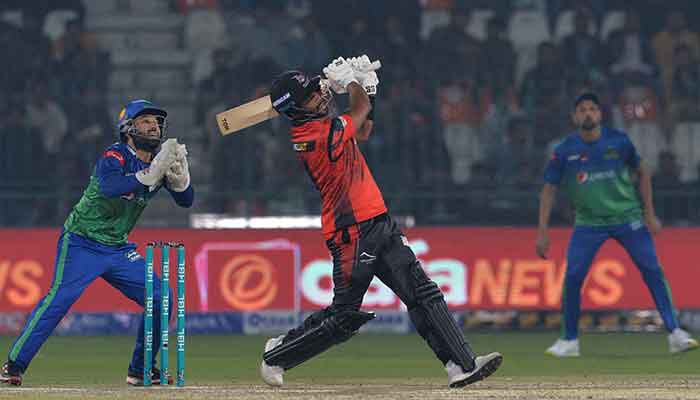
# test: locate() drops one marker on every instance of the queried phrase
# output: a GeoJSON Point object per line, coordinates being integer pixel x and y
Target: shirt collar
{"type": "Point", "coordinates": [132, 151]}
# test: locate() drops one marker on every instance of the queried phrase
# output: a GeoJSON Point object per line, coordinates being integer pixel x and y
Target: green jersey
{"type": "Point", "coordinates": [597, 177]}
{"type": "Point", "coordinates": [113, 200]}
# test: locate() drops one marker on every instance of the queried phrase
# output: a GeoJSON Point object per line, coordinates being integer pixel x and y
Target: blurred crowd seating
{"type": "Point", "coordinates": [473, 96]}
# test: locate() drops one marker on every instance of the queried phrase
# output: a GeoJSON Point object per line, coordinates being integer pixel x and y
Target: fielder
{"type": "Point", "coordinates": [595, 166]}
{"type": "Point", "coordinates": [93, 242]}
{"type": "Point", "coordinates": [363, 240]}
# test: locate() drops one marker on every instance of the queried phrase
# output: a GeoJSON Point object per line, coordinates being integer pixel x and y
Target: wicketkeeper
{"type": "Point", "coordinates": [94, 240]}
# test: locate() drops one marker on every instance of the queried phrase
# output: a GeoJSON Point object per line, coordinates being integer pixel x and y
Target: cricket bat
{"type": "Point", "coordinates": [254, 112]}
{"type": "Point", "coordinates": [245, 115]}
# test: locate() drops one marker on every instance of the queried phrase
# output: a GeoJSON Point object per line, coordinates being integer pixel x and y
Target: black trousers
{"type": "Point", "coordinates": [375, 247]}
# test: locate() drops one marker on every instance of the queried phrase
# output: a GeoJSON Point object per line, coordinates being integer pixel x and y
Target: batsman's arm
{"type": "Point", "coordinates": [366, 128]}
{"type": "Point", "coordinates": [113, 182]}
{"type": "Point", "coordinates": [360, 106]}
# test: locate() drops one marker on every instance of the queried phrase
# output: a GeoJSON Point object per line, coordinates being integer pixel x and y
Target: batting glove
{"type": "Point", "coordinates": [340, 74]}
{"type": "Point", "coordinates": [368, 79]}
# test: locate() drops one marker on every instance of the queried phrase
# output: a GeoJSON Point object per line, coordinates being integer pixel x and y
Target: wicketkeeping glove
{"type": "Point", "coordinates": [160, 164]}
{"type": "Point", "coordinates": [340, 74]}
{"type": "Point", "coordinates": [178, 175]}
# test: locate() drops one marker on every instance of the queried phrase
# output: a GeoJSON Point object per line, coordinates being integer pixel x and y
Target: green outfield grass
{"type": "Point", "coordinates": [232, 361]}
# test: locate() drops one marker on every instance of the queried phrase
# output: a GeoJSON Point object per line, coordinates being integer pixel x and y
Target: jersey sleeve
{"type": "Point", "coordinates": [342, 129]}
{"type": "Point", "coordinates": [183, 199]}
{"type": "Point", "coordinates": [113, 181]}
{"type": "Point", "coordinates": [554, 170]}
{"type": "Point", "coordinates": [632, 158]}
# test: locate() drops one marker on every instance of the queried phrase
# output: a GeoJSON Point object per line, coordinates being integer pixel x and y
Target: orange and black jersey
{"type": "Point", "coordinates": [328, 150]}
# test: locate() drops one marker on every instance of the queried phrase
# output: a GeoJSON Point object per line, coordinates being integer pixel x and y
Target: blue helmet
{"type": "Point", "coordinates": [125, 125]}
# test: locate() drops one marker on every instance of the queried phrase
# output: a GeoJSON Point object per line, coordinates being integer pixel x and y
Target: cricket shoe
{"type": "Point", "coordinates": [564, 348]}
{"type": "Point", "coordinates": [11, 374]}
{"type": "Point", "coordinates": [484, 366]}
{"type": "Point", "coordinates": [680, 341]}
{"type": "Point", "coordinates": [272, 374]}
{"type": "Point", "coordinates": [136, 378]}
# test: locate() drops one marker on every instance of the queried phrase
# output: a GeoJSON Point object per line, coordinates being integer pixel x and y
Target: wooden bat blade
{"type": "Point", "coordinates": [245, 115]}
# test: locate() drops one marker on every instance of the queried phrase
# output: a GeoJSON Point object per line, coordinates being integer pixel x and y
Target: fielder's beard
{"type": "Point", "coordinates": [588, 125]}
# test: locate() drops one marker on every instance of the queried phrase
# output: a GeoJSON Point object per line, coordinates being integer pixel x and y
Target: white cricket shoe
{"type": "Point", "coordinates": [272, 374]}
{"type": "Point", "coordinates": [564, 348]}
{"type": "Point", "coordinates": [680, 341]}
{"type": "Point", "coordinates": [484, 366]}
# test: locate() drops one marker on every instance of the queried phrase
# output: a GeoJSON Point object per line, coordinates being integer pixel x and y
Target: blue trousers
{"type": "Point", "coordinates": [637, 241]}
{"type": "Point", "coordinates": [79, 261]}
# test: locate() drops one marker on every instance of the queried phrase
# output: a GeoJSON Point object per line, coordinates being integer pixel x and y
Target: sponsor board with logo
{"type": "Point", "coordinates": [590, 321]}
{"type": "Point", "coordinates": [11, 323]}
{"type": "Point", "coordinates": [98, 324]}
{"type": "Point", "coordinates": [489, 269]}
{"type": "Point", "coordinates": [389, 322]}
{"type": "Point", "coordinates": [269, 322]}
{"type": "Point", "coordinates": [204, 323]}
{"type": "Point", "coordinates": [248, 276]}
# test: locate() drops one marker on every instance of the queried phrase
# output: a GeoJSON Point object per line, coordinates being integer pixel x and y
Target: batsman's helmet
{"type": "Point", "coordinates": [292, 89]}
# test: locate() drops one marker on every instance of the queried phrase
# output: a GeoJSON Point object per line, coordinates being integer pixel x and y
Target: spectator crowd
{"type": "Point", "coordinates": [53, 117]}
{"type": "Point", "coordinates": [473, 96]}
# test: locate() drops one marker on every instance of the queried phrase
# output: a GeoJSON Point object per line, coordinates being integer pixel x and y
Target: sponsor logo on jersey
{"type": "Point", "coordinates": [635, 225]}
{"type": "Point", "coordinates": [366, 258]}
{"type": "Point", "coordinates": [305, 146]}
{"type": "Point", "coordinates": [133, 255]}
{"type": "Point", "coordinates": [281, 99]}
{"type": "Point", "coordinates": [574, 157]}
{"type": "Point", "coordinates": [586, 177]}
{"type": "Point", "coordinates": [582, 177]}
{"type": "Point", "coordinates": [584, 157]}
{"type": "Point", "coordinates": [611, 154]}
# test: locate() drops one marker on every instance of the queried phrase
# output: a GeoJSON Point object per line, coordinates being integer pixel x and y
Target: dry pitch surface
{"type": "Point", "coordinates": [614, 366]}
{"type": "Point", "coordinates": [499, 388]}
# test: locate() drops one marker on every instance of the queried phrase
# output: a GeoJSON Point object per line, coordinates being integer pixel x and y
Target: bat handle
{"type": "Point", "coordinates": [375, 65]}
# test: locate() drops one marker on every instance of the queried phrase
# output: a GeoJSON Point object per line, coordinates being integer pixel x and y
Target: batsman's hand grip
{"type": "Point", "coordinates": [375, 65]}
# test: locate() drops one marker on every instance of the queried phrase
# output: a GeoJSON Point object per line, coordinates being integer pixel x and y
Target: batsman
{"type": "Point", "coordinates": [595, 166]}
{"type": "Point", "coordinates": [94, 240]}
{"type": "Point", "coordinates": [362, 238]}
